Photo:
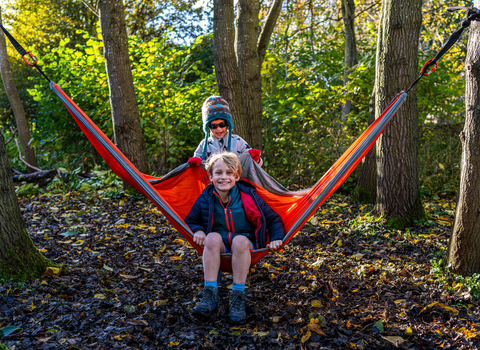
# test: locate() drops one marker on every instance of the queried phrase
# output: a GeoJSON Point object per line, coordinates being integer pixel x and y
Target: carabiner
{"type": "Point", "coordinates": [426, 65]}
{"type": "Point", "coordinates": [32, 57]}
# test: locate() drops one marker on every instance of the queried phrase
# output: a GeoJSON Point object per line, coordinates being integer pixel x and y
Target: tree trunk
{"type": "Point", "coordinates": [126, 120]}
{"type": "Point", "coordinates": [348, 14]}
{"type": "Point", "coordinates": [398, 192]}
{"type": "Point", "coordinates": [464, 247]}
{"type": "Point", "coordinates": [367, 177]}
{"type": "Point", "coordinates": [238, 57]}
{"type": "Point", "coordinates": [247, 32]}
{"type": "Point", "coordinates": [16, 103]}
{"type": "Point", "coordinates": [19, 259]}
{"type": "Point", "coordinates": [226, 69]}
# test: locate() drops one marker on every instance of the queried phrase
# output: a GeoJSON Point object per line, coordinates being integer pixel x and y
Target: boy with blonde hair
{"type": "Point", "coordinates": [229, 216]}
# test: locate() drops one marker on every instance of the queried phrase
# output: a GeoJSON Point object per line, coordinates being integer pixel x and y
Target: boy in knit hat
{"type": "Point", "coordinates": [229, 216]}
{"type": "Point", "coordinates": [217, 117]}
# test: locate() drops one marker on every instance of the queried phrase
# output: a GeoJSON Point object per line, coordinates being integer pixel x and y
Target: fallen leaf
{"type": "Point", "coordinates": [260, 334]}
{"type": "Point", "coordinates": [378, 327]}
{"type": "Point", "coordinates": [100, 296]}
{"type": "Point", "coordinates": [276, 319]}
{"type": "Point", "coordinates": [314, 327]}
{"type": "Point", "coordinates": [51, 271]}
{"type": "Point", "coordinates": [174, 258]}
{"type": "Point", "coordinates": [317, 303]}
{"type": "Point", "coordinates": [159, 302]}
{"type": "Point", "coordinates": [137, 322]}
{"type": "Point", "coordinates": [394, 339]}
{"type": "Point", "coordinates": [8, 330]}
{"type": "Point", "coordinates": [306, 336]}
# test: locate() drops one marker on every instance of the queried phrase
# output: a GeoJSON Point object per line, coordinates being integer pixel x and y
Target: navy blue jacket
{"type": "Point", "coordinates": [269, 225]}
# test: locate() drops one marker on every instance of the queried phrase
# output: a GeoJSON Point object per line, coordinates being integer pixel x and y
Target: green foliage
{"type": "Point", "coordinates": [366, 224]}
{"type": "Point", "coordinates": [454, 282]}
{"type": "Point", "coordinates": [303, 133]}
{"type": "Point", "coordinates": [303, 92]}
{"type": "Point", "coordinates": [168, 104]}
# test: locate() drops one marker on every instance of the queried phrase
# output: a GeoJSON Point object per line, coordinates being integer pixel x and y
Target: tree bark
{"type": "Point", "coordinates": [19, 259]}
{"type": "Point", "coordinates": [126, 119]}
{"type": "Point", "coordinates": [238, 55]}
{"type": "Point", "coordinates": [367, 177]}
{"type": "Point", "coordinates": [464, 247]}
{"type": "Point", "coordinates": [16, 103]}
{"type": "Point", "coordinates": [398, 192]}
{"type": "Point", "coordinates": [225, 61]}
{"type": "Point", "coordinates": [351, 59]}
{"type": "Point", "coordinates": [247, 31]}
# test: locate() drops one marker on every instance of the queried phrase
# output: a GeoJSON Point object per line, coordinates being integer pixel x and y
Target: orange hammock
{"type": "Point", "coordinates": [174, 195]}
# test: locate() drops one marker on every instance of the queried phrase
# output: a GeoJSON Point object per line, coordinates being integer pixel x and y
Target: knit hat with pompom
{"type": "Point", "coordinates": [214, 108]}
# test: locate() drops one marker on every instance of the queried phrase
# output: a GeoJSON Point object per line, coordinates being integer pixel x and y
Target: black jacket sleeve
{"type": "Point", "coordinates": [194, 219]}
{"type": "Point", "coordinates": [275, 226]}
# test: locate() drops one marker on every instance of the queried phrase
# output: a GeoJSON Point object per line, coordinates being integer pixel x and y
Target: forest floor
{"type": "Point", "coordinates": [344, 282]}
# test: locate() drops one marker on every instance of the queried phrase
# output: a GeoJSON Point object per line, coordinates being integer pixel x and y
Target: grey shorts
{"type": "Point", "coordinates": [227, 238]}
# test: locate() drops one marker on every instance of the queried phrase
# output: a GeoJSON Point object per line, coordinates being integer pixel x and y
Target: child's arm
{"type": "Point", "coordinates": [199, 150]}
{"type": "Point", "coordinates": [276, 228]}
{"type": "Point", "coordinates": [194, 219]}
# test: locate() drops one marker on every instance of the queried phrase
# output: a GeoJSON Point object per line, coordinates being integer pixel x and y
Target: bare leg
{"type": "Point", "coordinates": [211, 256]}
{"type": "Point", "coordinates": [241, 258]}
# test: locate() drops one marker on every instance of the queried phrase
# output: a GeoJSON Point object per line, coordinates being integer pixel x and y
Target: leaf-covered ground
{"type": "Point", "coordinates": [344, 282]}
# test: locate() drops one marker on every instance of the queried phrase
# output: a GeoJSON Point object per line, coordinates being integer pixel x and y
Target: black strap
{"type": "Point", "coordinates": [15, 43]}
{"type": "Point", "coordinates": [473, 14]}
{"type": "Point", "coordinates": [22, 51]}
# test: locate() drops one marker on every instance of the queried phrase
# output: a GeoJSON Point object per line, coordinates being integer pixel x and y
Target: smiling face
{"type": "Point", "coordinates": [219, 132]}
{"type": "Point", "coordinates": [223, 178]}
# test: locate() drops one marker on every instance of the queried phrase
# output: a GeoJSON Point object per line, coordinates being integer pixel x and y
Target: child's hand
{"type": "Point", "coordinates": [195, 161]}
{"type": "Point", "coordinates": [199, 237]}
{"type": "Point", "coordinates": [255, 154]}
{"type": "Point", "coordinates": [274, 245]}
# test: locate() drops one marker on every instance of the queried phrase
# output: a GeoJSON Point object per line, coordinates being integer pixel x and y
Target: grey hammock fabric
{"type": "Point", "coordinates": [250, 171]}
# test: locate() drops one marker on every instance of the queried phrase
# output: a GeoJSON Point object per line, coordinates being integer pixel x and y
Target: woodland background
{"type": "Point", "coordinates": [346, 281]}
{"type": "Point", "coordinates": [173, 72]}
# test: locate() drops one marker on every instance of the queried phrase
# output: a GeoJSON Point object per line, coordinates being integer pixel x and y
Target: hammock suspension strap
{"type": "Point", "coordinates": [33, 61]}
{"type": "Point", "coordinates": [473, 14]}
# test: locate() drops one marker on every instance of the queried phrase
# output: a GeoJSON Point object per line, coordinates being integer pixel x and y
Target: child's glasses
{"type": "Point", "coordinates": [219, 125]}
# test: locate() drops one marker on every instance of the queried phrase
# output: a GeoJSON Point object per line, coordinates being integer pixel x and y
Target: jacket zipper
{"type": "Point", "coordinates": [225, 208]}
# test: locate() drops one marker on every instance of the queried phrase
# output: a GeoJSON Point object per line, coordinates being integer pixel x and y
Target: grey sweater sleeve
{"type": "Point", "coordinates": [199, 150]}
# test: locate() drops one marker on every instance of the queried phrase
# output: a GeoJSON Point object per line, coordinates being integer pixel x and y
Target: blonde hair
{"type": "Point", "coordinates": [230, 160]}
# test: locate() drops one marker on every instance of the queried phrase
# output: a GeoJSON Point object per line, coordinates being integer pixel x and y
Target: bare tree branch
{"type": "Point", "coordinates": [267, 29]}
{"type": "Point", "coordinates": [20, 155]}
{"type": "Point", "coordinates": [11, 138]}
{"type": "Point", "coordinates": [90, 7]}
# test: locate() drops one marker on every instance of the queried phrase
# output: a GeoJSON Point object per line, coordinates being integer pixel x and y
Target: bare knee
{"type": "Point", "coordinates": [241, 244]}
{"type": "Point", "coordinates": [213, 241]}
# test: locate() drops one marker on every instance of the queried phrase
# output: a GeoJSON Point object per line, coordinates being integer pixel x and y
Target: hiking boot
{"type": "Point", "coordinates": [209, 303]}
{"type": "Point", "coordinates": [236, 313]}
